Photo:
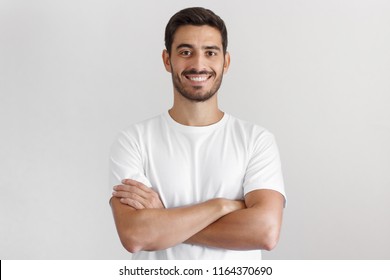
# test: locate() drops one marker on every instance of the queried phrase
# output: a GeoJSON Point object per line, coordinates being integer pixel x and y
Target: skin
{"type": "Point", "coordinates": [197, 65]}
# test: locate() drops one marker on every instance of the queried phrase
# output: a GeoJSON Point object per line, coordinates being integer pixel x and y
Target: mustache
{"type": "Point", "coordinates": [195, 72]}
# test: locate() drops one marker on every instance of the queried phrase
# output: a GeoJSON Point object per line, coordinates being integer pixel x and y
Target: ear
{"type": "Point", "coordinates": [226, 63]}
{"type": "Point", "coordinates": [166, 61]}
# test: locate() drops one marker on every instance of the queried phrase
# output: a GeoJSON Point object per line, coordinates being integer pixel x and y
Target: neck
{"type": "Point", "coordinates": [191, 113]}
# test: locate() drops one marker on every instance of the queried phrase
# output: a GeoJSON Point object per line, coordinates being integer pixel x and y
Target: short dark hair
{"type": "Point", "coordinates": [194, 16]}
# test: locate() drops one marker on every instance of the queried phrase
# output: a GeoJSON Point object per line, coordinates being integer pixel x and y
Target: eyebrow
{"type": "Point", "coordinates": [213, 47]}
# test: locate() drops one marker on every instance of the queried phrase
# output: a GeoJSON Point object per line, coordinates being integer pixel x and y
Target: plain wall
{"type": "Point", "coordinates": [74, 73]}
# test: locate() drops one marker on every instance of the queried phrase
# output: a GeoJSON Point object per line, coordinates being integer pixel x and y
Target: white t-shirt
{"type": "Point", "coordinates": [188, 165]}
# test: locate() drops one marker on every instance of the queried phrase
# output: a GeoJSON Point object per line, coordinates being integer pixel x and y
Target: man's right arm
{"type": "Point", "coordinates": [158, 229]}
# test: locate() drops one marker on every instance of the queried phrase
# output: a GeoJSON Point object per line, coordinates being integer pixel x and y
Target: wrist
{"type": "Point", "coordinates": [226, 206]}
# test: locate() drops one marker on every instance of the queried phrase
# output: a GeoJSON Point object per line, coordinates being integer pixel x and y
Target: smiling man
{"type": "Point", "coordinates": [196, 182]}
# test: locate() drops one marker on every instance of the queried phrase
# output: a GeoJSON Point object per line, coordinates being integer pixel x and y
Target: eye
{"type": "Point", "coordinates": [185, 53]}
{"type": "Point", "coordinates": [211, 53]}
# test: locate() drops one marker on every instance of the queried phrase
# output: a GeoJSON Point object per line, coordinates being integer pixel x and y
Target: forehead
{"type": "Point", "coordinates": [197, 35]}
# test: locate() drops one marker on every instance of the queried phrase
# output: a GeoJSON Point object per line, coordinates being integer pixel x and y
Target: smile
{"type": "Point", "coordinates": [198, 78]}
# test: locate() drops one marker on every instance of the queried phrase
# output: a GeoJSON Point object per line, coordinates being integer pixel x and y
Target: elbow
{"type": "Point", "coordinates": [270, 239]}
{"type": "Point", "coordinates": [267, 237]}
{"type": "Point", "coordinates": [132, 248]}
{"type": "Point", "coordinates": [135, 242]}
{"type": "Point", "coordinates": [131, 244]}
{"type": "Point", "coordinates": [270, 244]}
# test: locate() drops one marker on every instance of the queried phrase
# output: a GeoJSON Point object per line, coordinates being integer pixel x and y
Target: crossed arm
{"type": "Point", "coordinates": [143, 224]}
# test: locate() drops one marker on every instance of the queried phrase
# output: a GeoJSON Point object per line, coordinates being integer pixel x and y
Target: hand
{"type": "Point", "coordinates": [137, 195]}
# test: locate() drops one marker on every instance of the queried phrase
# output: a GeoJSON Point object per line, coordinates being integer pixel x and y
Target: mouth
{"type": "Point", "coordinates": [197, 78]}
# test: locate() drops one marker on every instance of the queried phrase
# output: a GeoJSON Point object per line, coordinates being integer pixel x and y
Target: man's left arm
{"type": "Point", "coordinates": [255, 227]}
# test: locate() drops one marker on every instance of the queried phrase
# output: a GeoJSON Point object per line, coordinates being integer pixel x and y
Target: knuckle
{"type": "Point", "coordinates": [124, 194]}
{"type": "Point", "coordinates": [138, 204]}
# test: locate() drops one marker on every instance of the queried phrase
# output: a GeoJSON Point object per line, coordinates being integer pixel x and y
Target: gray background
{"type": "Point", "coordinates": [73, 73]}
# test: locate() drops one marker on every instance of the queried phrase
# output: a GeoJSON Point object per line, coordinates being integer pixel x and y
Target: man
{"type": "Point", "coordinates": [195, 182]}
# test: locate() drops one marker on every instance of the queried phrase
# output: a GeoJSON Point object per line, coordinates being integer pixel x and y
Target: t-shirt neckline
{"type": "Point", "coordinates": [195, 129]}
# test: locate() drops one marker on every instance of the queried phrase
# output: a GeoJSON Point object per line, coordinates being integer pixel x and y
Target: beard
{"type": "Point", "coordinates": [195, 93]}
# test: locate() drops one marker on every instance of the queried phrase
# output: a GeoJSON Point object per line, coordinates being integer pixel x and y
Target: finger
{"type": "Point", "coordinates": [151, 201]}
{"type": "Point", "coordinates": [133, 203]}
{"type": "Point", "coordinates": [133, 189]}
{"type": "Point", "coordinates": [134, 186]}
{"type": "Point", "coordinates": [139, 199]}
{"type": "Point", "coordinates": [125, 188]}
{"type": "Point", "coordinates": [147, 196]}
{"type": "Point", "coordinates": [135, 183]}
{"type": "Point", "coordinates": [120, 194]}
{"type": "Point", "coordinates": [131, 182]}
{"type": "Point", "coordinates": [130, 195]}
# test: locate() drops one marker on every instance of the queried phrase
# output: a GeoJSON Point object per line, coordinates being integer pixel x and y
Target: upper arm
{"type": "Point", "coordinates": [268, 208]}
{"type": "Point", "coordinates": [264, 170]}
{"type": "Point", "coordinates": [265, 198]}
{"type": "Point", "coordinates": [269, 202]}
{"type": "Point", "coordinates": [125, 161]}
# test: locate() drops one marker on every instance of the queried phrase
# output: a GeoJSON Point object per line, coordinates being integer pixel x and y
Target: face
{"type": "Point", "coordinates": [196, 62]}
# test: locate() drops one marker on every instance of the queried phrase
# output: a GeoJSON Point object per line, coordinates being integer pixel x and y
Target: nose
{"type": "Point", "coordinates": [198, 62]}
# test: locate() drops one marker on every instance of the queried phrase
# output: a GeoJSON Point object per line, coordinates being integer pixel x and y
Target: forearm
{"type": "Point", "coordinates": [236, 231]}
{"type": "Point", "coordinates": [255, 227]}
{"type": "Point", "coordinates": [157, 229]}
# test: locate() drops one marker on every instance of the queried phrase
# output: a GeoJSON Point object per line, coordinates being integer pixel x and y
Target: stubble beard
{"type": "Point", "coordinates": [195, 94]}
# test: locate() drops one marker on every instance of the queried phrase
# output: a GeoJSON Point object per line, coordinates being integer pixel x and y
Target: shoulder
{"type": "Point", "coordinates": [142, 127]}
{"type": "Point", "coordinates": [136, 133]}
{"type": "Point", "coordinates": [251, 130]}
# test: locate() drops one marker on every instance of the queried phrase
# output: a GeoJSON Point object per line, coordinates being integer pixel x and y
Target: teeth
{"type": "Point", "coordinates": [198, 79]}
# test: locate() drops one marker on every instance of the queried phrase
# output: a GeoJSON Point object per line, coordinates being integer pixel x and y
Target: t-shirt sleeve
{"type": "Point", "coordinates": [264, 169]}
{"type": "Point", "coordinates": [126, 161]}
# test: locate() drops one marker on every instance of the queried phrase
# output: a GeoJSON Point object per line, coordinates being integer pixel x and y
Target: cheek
{"type": "Point", "coordinates": [220, 66]}
{"type": "Point", "coordinates": [176, 68]}
{"type": "Point", "coordinates": [220, 70]}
